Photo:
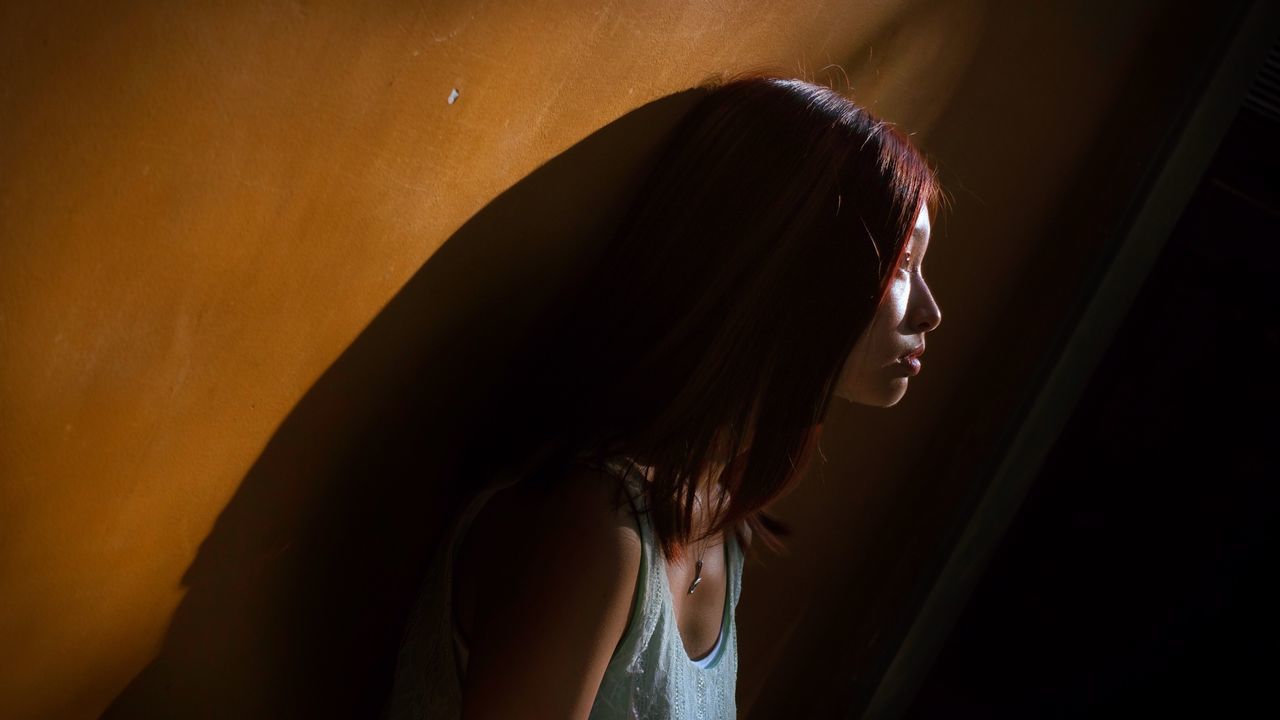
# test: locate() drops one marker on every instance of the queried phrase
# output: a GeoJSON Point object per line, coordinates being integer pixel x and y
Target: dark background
{"type": "Point", "coordinates": [1135, 579]}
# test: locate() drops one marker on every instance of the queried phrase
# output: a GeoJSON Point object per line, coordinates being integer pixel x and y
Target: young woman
{"type": "Point", "coordinates": [770, 263]}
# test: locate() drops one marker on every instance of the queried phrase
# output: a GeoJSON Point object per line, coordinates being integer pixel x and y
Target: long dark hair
{"type": "Point", "coordinates": [738, 282]}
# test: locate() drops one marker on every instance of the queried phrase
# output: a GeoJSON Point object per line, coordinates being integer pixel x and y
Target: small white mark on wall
{"type": "Point", "coordinates": [453, 96]}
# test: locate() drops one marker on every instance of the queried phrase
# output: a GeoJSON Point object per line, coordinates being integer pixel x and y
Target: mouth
{"type": "Point", "coordinates": [909, 362]}
{"type": "Point", "coordinates": [914, 353]}
{"type": "Point", "coordinates": [908, 366]}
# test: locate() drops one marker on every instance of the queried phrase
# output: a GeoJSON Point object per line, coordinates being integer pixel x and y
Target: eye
{"type": "Point", "coordinates": [906, 263]}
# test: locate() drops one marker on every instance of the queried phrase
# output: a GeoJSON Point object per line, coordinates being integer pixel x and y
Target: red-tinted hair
{"type": "Point", "coordinates": [746, 269]}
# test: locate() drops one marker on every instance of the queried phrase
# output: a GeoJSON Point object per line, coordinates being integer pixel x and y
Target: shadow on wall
{"type": "Point", "coordinates": [295, 602]}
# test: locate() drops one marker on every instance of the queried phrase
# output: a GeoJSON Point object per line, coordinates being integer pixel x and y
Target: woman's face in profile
{"type": "Point", "coordinates": [886, 355]}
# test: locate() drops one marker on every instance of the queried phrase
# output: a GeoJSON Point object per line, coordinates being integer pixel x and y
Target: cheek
{"type": "Point", "coordinates": [855, 365]}
{"type": "Point", "coordinates": [865, 378]}
{"type": "Point", "coordinates": [878, 342]}
{"type": "Point", "coordinates": [890, 314]}
{"type": "Point", "coordinates": [849, 371]}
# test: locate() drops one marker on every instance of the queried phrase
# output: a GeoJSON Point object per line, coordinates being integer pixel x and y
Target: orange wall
{"type": "Point", "coordinates": [202, 208]}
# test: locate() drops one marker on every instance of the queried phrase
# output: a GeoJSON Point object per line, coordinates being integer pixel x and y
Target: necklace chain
{"type": "Point", "coordinates": [697, 578]}
{"type": "Point", "coordinates": [697, 573]}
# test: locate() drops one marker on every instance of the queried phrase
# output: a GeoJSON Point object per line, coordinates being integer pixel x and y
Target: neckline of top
{"type": "Point", "coordinates": [669, 599]}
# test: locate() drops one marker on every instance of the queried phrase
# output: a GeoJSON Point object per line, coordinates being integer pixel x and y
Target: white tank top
{"type": "Point", "coordinates": [649, 676]}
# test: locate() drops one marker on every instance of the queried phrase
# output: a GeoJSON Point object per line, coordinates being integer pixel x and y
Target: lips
{"type": "Point", "coordinates": [909, 362]}
{"type": "Point", "coordinates": [915, 353]}
{"type": "Point", "coordinates": [911, 365]}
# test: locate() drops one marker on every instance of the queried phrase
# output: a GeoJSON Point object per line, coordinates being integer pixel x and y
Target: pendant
{"type": "Point", "coordinates": [697, 578]}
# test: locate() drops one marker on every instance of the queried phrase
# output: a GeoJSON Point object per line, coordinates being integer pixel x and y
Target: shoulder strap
{"type": "Point", "coordinates": [623, 470]}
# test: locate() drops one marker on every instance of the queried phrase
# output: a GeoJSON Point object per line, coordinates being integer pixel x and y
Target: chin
{"type": "Point", "coordinates": [882, 396]}
{"type": "Point", "coordinates": [889, 396]}
{"type": "Point", "coordinates": [887, 402]}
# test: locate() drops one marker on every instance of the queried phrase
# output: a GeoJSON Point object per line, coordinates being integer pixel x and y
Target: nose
{"type": "Point", "coordinates": [925, 313]}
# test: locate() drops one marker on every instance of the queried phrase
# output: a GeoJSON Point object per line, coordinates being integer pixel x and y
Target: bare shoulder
{"type": "Point", "coordinates": [583, 500]}
{"type": "Point", "coordinates": [555, 601]}
{"type": "Point", "coordinates": [586, 508]}
{"type": "Point", "coordinates": [585, 514]}
{"type": "Point", "coordinates": [594, 494]}
{"type": "Point", "coordinates": [582, 521]}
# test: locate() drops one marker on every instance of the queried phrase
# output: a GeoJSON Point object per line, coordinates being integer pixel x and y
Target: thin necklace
{"type": "Point", "coordinates": [697, 573]}
{"type": "Point", "coordinates": [697, 577]}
